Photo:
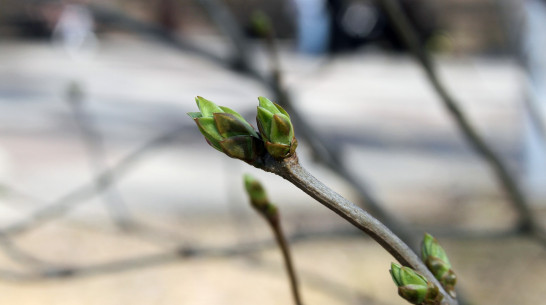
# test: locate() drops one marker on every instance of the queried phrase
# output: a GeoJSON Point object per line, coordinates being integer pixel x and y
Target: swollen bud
{"type": "Point", "coordinates": [413, 287]}
{"type": "Point", "coordinates": [276, 129]}
{"type": "Point", "coordinates": [437, 262]}
{"type": "Point", "coordinates": [227, 131]}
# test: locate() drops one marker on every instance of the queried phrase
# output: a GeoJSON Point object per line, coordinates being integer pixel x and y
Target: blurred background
{"type": "Point", "coordinates": [110, 195]}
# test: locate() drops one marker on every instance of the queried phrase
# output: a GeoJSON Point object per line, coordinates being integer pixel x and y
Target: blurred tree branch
{"type": "Point", "coordinates": [109, 177]}
{"type": "Point", "coordinates": [181, 251]}
{"type": "Point", "coordinates": [119, 19]}
{"type": "Point", "coordinates": [51, 271]}
{"type": "Point", "coordinates": [98, 184]}
{"type": "Point", "coordinates": [221, 16]}
{"type": "Point", "coordinates": [405, 30]}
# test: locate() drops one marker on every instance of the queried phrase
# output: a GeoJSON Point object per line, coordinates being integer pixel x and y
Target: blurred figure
{"type": "Point", "coordinates": [333, 26]}
{"type": "Point", "coordinates": [74, 30]}
{"type": "Point", "coordinates": [354, 23]}
{"type": "Point", "coordinates": [313, 24]}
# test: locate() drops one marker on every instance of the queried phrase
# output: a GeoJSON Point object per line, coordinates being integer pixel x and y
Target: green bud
{"type": "Point", "coordinates": [276, 129]}
{"type": "Point", "coordinates": [414, 294]}
{"type": "Point", "coordinates": [406, 276]}
{"type": "Point", "coordinates": [431, 247]}
{"type": "Point", "coordinates": [437, 262]}
{"type": "Point", "coordinates": [227, 131]}
{"type": "Point", "coordinates": [258, 198]}
{"type": "Point", "coordinates": [413, 287]}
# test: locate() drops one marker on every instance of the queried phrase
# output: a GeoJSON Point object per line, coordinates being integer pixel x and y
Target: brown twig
{"type": "Point", "coordinates": [283, 245]}
{"type": "Point", "coordinates": [260, 202]}
{"type": "Point", "coordinates": [290, 169]}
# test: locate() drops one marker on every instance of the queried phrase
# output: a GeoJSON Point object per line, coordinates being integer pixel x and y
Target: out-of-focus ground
{"type": "Point", "coordinates": [402, 144]}
{"type": "Point", "coordinates": [332, 271]}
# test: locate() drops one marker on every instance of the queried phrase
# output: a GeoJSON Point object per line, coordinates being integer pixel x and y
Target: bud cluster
{"type": "Point", "coordinates": [228, 132]}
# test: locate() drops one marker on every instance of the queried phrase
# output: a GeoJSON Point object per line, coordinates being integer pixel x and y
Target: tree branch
{"type": "Point", "coordinates": [291, 170]}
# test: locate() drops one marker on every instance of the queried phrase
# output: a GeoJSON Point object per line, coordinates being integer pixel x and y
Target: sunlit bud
{"type": "Point", "coordinates": [437, 262]}
{"type": "Point", "coordinates": [226, 130]}
{"type": "Point", "coordinates": [413, 287]}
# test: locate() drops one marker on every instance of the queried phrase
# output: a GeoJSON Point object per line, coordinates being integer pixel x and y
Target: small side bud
{"type": "Point", "coordinates": [256, 192]}
{"type": "Point", "coordinates": [435, 257]}
{"type": "Point", "coordinates": [258, 198]}
{"type": "Point", "coordinates": [413, 287]}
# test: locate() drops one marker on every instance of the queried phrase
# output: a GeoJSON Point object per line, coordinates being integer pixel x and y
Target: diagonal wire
{"type": "Point", "coordinates": [96, 154]}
